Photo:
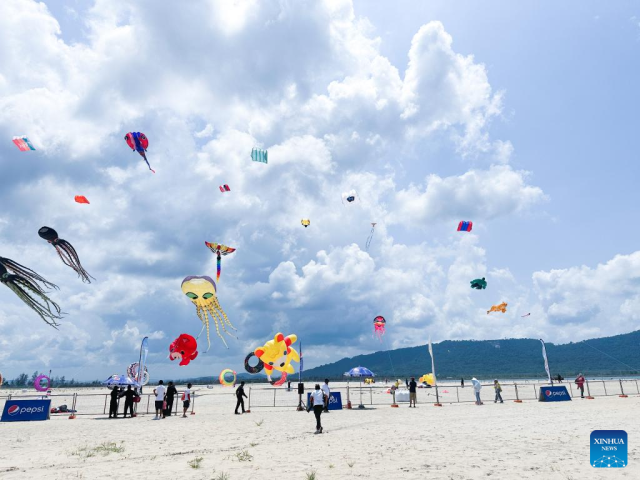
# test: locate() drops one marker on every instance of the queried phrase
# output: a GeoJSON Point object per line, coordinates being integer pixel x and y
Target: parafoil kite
{"type": "Point", "coordinates": [498, 308]}
{"type": "Point", "coordinates": [224, 188]}
{"type": "Point", "coordinates": [350, 196]}
{"type": "Point", "coordinates": [81, 199]}
{"type": "Point", "coordinates": [66, 252]}
{"type": "Point", "coordinates": [227, 378]}
{"type": "Point", "coordinates": [23, 143]}
{"type": "Point", "coordinates": [479, 283]}
{"type": "Point", "coordinates": [373, 226]}
{"type": "Point", "coordinates": [184, 348]}
{"type": "Point", "coordinates": [428, 379]}
{"type": "Point", "coordinates": [276, 354]}
{"type": "Point", "coordinates": [305, 222]}
{"type": "Point", "coordinates": [465, 226]}
{"type": "Point", "coordinates": [202, 292]}
{"type": "Point", "coordinates": [23, 282]}
{"type": "Point", "coordinates": [220, 251]}
{"type": "Point", "coordinates": [259, 155]}
{"type": "Point", "coordinates": [138, 142]}
{"type": "Point", "coordinates": [133, 370]}
{"type": "Point", "coordinates": [378, 326]}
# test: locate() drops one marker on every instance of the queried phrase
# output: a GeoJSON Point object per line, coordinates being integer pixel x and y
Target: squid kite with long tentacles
{"type": "Point", "coordinates": [23, 282]}
{"type": "Point", "coordinates": [66, 252]}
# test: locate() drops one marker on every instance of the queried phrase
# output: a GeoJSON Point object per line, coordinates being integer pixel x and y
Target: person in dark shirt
{"type": "Point", "coordinates": [113, 405]}
{"type": "Point", "coordinates": [128, 395]}
{"type": "Point", "coordinates": [413, 395]}
{"type": "Point", "coordinates": [462, 382]}
{"type": "Point", "coordinates": [240, 394]}
{"type": "Point", "coordinates": [172, 391]}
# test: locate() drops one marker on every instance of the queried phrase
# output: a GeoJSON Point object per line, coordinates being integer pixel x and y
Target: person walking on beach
{"type": "Point", "coordinates": [317, 400]}
{"type": "Point", "coordinates": [186, 400]}
{"type": "Point", "coordinates": [128, 395]}
{"type": "Point", "coordinates": [462, 382]}
{"type": "Point", "coordinates": [413, 395]}
{"type": "Point", "coordinates": [580, 383]}
{"type": "Point", "coordinates": [498, 389]}
{"type": "Point", "coordinates": [477, 386]}
{"type": "Point", "coordinates": [240, 395]}
{"type": "Point", "coordinates": [172, 391]}
{"type": "Point", "coordinates": [327, 394]}
{"type": "Point", "coordinates": [160, 393]}
{"type": "Point", "coordinates": [113, 405]}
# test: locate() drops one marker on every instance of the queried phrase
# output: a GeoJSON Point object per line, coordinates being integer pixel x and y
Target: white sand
{"type": "Point", "coordinates": [458, 441]}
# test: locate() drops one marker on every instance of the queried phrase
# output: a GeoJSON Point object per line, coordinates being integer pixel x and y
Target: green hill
{"type": "Point", "coordinates": [509, 358]}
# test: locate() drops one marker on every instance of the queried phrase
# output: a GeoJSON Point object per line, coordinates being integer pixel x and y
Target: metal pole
{"type": "Point", "coordinates": [437, 404]}
{"type": "Point", "coordinates": [458, 393]}
{"type": "Point", "coordinates": [517, 400]}
{"type": "Point", "coordinates": [248, 410]}
{"type": "Point", "coordinates": [193, 403]}
{"type": "Point", "coordinates": [274, 397]}
{"type": "Point", "coordinates": [104, 412]}
{"type": "Point", "coordinates": [622, 395]}
{"type": "Point", "coordinates": [588, 397]}
{"type": "Point", "coordinates": [638, 390]}
{"type": "Point", "coordinates": [371, 395]}
{"type": "Point", "coordinates": [148, 398]}
{"type": "Point", "coordinates": [605, 388]}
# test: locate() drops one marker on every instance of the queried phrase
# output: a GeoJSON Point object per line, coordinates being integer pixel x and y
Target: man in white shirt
{"type": "Point", "coordinates": [186, 400]}
{"type": "Point", "coordinates": [327, 393]}
{"type": "Point", "coordinates": [160, 393]}
{"type": "Point", "coordinates": [317, 400]}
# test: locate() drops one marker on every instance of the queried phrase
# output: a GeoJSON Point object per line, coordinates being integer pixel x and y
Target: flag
{"type": "Point", "coordinates": [301, 364]}
{"type": "Point", "coordinates": [546, 362]}
{"type": "Point", "coordinates": [433, 366]}
{"type": "Point", "coordinates": [144, 350]}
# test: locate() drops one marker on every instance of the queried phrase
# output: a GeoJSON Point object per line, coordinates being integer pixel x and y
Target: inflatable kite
{"type": "Point", "coordinates": [350, 197]}
{"type": "Point", "coordinates": [373, 226]}
{"type": "Point", "coordinates": [258, 155]}
{"type": "Point", "coordinates": [133, 371]}
{"type": "Point", "coordinates": [225, 379]}
{"type": "Point", "coordinates": [23, 143]}
{"type": "Point", "coordinates": [428, 379]}
{"type": "Point", "coordinates": [498, 308]}
{"type": "Point", "coordinates": [479, 283]}
{"type": "Point", "coordinates": [37, 383]}
{"type": "Point", "coordinates": [1, 379]}
{"type": "Point", "coordinates": [378, 326]}
{"type": "Point", "coordinates": [81, 199]}
{"type": "Point", "coordinates": [305, 222]}
{"type": "Point", "coordinates": [202, 292]}
{"type": "Point", "coordinates": [23, 282]}
{"type": "Point", "coordinates": [224, 188]}
{"type": "Point", "coordinates": [276, 354]}
{"type": "Point", "coordinates": [465, 226]}
{"type": "Point", "coordinates": [66, 252]}
{"type": "Point", "coordinates": [138, 142]}
{"type": "Point", "coordinates": [184, 348]}
{"type": "Point", "coordinates": [220, 251]}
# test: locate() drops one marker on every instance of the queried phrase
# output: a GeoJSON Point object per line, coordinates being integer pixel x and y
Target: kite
{"type": "Point", "coordinates": [1, 379]}
{"type": "Point", "coordinates": [479, 283]}
{"type": "Point", "coordinates": [427, 378]}
{"type": "Point", "coordinates": [138, 142]}
{"type": "Point", "coordinates": [305, 222]}
{"type": "Point", "coordinates": [220, 251]}
{"type": "Point", "coordinates": [276, 354]}
{"type": "Point", "coordinates": [133, 372]}
{"type": "Point", "coordinates": [37, 383]}
{"type": "Point", "coordinates": [378, 326]}
{"type": "Point", "coordinates": [465, 226]}
{"type": "Point", "coordinates": [66, 252]}
{"type": "Point", "coordinates": [258, 155]}
{"type": "Point", "coordinates": [23, 282]}
{"type": "Point", "coordinates": [349, 196]}
{"type": "Point", "coordinates": [224, 188]}
{"type": "Point", "coordinates": [223, 378]}
{"type": "Point", "coordinates": [202, 292]}
{"type": "Point", "coordinates": [81, 199]}
{"type": "Point", "coordinates": [373, 226]}
{"type": "Point", "coordinates": [184, 348]}
{"type": "Point", "coordinates": [23, 143]}
{"type": "Point", "coordinates": [525, 315]}
{"type": "Point", "coordinates": [498, 308]}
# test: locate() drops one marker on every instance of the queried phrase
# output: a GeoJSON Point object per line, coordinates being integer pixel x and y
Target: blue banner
{"type": "Point", "coordinates": [335, 400]}
{"type": "Point", "coordinates": [554, 394]}
{"type": "Point", "coordinates": [26, 410]}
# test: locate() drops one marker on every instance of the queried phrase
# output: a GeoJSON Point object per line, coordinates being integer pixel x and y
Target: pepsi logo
{"type": "Point", "coordinates": [13, 410]}
{"type": "Point", "coordinates": [548, 393]}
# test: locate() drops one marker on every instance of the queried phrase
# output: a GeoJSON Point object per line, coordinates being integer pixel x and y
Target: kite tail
{"type": "Point", "coordinates": [217, 320]}
{"type": "Point", "coordinates": [70, 258]}
{"type": "Point", "coordinates": [218, 273]}
{"type": "Point", "coordinates": [26, 272]}
{"type": "Point", "coordinates": [204, 318]}
{"type": "Point", "coordinates": [144, 155]}
{"type": "Point", "coordinates": [42, 309]}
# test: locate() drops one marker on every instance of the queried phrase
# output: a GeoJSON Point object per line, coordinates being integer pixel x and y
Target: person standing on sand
{"type": "Point", "coordinates": [477, 386]}
{"type": "Point", "coordinates": [413, 395]}
{"type": "Point", "coordinates": [160, 393]}
{"type": "Point", "coordinates": [186, 400]}
{"type": "Point", "coordinates": [580, 383]}
{"type": "Point", "coordinates": [462, 382]}
{"type": "Point", "coordinates": [239, 395]}
{"type": "Point", "coordinates": [113, 405]}
{"type": "Point", "coordinates": [327, 394]}
{"type": "Point", "coordinates": [498, 389]}
{"type": "Point", "coordinates": [317, 400]}
{"type": "Point", "coordinates": [128, 395]}
{"type": "Point", "coordinates": [171, 395]}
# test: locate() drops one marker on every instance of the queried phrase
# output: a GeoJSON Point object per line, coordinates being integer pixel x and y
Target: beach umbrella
{"type": "Point", "coordinates": [120, 381]}
{"type": "Point", "coordinates": [359, 372]}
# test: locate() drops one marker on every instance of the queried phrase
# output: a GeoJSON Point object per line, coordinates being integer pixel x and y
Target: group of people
{"type": "Point", "coordinates": [165, 397]}
{"type": "Point", "coordinates": [130, 395]}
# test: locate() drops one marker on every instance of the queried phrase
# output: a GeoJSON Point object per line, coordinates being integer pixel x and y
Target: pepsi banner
{"type": "Point", "coordinates": [554, 394]}
{"type": "Point", "coordinates": [25, 410]}
{"type": "Point", "coordinates": [335, 400]}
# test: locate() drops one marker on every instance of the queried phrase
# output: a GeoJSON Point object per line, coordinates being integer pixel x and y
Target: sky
{"type": "Point", "coordinates": [518, 116]}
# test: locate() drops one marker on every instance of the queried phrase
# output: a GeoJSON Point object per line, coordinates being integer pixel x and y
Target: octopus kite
{"type": "Point", "coordinates": [138, 142]}
{"type": "Point", "coordinates": [479, 284]}
{"type": "Point", "coordinates": [220, 251]}
{"type": "Point", "coordinates": [202, 292]}
{"type": "Point", "coordinates": [66, 252]}
{"type": "Point", "coordinates": [23, 282]}
{"type": "Point", "coordinates": [378, 326]}
{"type": "Point", "coordinates": [498, 308]}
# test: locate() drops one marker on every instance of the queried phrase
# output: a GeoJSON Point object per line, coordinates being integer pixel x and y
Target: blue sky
{"type": "Point", "coordinates": [520, 117]}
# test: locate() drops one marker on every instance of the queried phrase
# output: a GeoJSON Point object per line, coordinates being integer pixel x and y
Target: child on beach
{"type": "Point", "coordinates": [476, 388]}
{"type": "Point", "coordinates": [186, 400]}
{"type": "Point", "coordinates": [580, 383]}
{"type": "Point", "coordinates": [498, 389]}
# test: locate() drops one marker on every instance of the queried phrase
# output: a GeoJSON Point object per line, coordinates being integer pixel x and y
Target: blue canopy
{"type": "Point", "coordinates": [359, 372]}
{"type": "Point", "coordinates": [120, 380]}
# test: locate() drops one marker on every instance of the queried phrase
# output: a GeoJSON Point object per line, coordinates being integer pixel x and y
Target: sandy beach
{"type": "Point", "coordinates": [457, 441]}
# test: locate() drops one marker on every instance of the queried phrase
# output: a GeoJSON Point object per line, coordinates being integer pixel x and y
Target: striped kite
{"type": "Point", "coordinates": [259, 155]}
{"type": "Point", "coordinates": [23, 143]}
{"type": "Point", "coordinates": [465, 226]}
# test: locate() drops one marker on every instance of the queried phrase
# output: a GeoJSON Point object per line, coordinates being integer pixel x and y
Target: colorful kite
{"type": "Point", "coordinates": [479, 283]}
{"type": "Point", "coordinates": [202, 292]}
{"type": "Point", "coordinates": [184, 348]}
{"type": "Point", "coordinates": [23, 282]}
{"type": "Point", "coordinates": [224, 188]}
{"type": "Point", "coordinates": [378, 326]}
{"type": "Point", "coordinates": [258, 155]}
{"type": "Point", "coordinates": [428, 379]}
{"type": "Point", "coordinates": [373, 226]}
{"type": "Point", "coordinates": [465, 226]}
{"type": "Point", "coordinates": [81, 199]}
{"type": "Point", "coordinates": [220, 251]}
{"type": "Point", "coordinates": [133, 371]}
{"type": "Point", "coordinates": [276, 354]}
{"type": "Point", "coordinates": [23, 143]}
{"type": "Point", "coordinates": [66, 252]}
{"type": "Point", "coordinates": [227, 378]}
{"type": "Point", "coordinates": [305, 222]}
{"type": "Point", "coordinates": [138, 142]}
{"type": "Point", "coordinates": [350, 197]}
{"type": "Point", "coordinates": [498, 308]}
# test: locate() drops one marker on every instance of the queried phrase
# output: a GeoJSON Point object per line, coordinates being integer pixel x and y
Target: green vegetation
{"type": "Point", "coordinates": [195, 463]}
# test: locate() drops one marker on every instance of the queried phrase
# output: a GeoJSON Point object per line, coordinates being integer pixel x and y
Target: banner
{"type": "Point", "coordinates": [546, 363]}
{"type": "Point", "coordinates": [26, 410]}
{"type": "Point", "coordinates": [554, 394]}
{"type": "Point", "coordinates": [335, 400]}
{"type": "Point", "coordinates": [433, 366]}
{"type": "Point", "coordinates": [142, 363]}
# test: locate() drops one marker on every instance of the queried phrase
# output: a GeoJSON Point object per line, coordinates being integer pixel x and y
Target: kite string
{"type": "Point", "coordinates": [614, 358]}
